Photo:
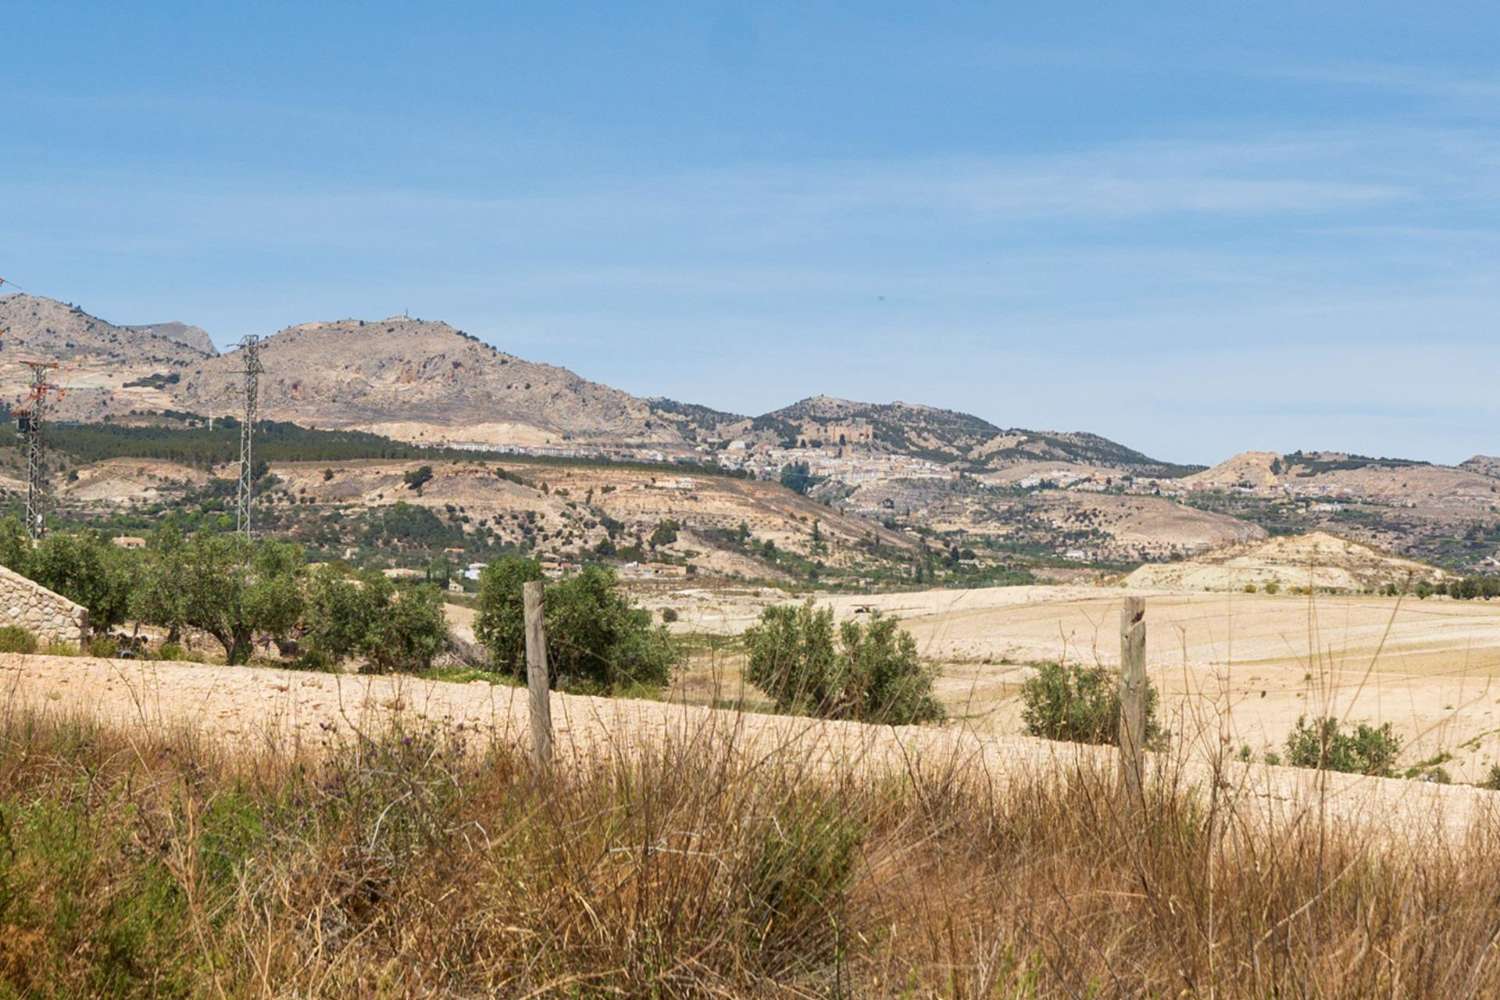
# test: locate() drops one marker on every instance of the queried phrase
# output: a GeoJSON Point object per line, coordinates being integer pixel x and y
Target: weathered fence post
{"type": "Point", "coordinates": [536, 675]}
{"type": "Point", "coordinates": [1133, 696]}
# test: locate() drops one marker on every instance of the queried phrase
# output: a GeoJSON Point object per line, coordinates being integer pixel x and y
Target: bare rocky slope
{"type": "Point", "coordinates": [184, 333]}
{"type": "Point", "coordinates": [45, 328]}
{"type": "Point", "coordinates": [949, 436]}
{"type": "Point", "coordinates": [108, 370]}
{"type": "Point", "coordinates": [1317, 561]}
{"type": "Point", "coordinates": [426, 382]}
{"type": "Point", "coordinates": [1485, 465]}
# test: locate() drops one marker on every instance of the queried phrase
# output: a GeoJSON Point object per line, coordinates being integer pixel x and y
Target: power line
{"type": "Point", "coordinates": [250, 352]}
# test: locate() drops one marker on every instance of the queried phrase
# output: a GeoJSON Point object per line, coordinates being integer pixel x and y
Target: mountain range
{"type": "Point", "coordinates": [905, 465]}
{"type": "Point", "coordinates": [426, 382]}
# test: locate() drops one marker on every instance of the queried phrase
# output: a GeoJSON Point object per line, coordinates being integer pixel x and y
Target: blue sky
{"type": "Point", "coordinates": [1196, 228]}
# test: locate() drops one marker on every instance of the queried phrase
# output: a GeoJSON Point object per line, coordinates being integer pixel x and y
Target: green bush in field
{"type": "Point", "coordinates": [597, 639]}
{"type": "Point", "coordinates": [15, 639]}
{"type": "Point", "coordinates": [103, 647]}
{"type": "Point", "coordinates": [1325, 744]}
{"type": "Point", "coordinates": [366, 615]}
{"type": "Point", "coordinates": [1080, 704]}
{"type": "Point", "coordinates": [866, 672]}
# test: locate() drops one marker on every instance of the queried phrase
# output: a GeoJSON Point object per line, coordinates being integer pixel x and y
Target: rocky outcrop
{"type": "Point", "coordinates": [48, 616]}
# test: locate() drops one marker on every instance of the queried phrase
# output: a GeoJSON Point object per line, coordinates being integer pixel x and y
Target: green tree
{"type": "Point", "coordinates": [665, 533]}
{"type": "Point", "coordinates": [234, 590]}
{"type": "Point", "coordinates": [797, 476]}
{"type": "Point", "coordinates": [15, 545]}
{"type": "Point", "coordinates": [416, 478]}
{"type": "Point", "coordinates": [158, 595]}
{"type": "Point", "coordinates": [86, 568]}
{"type": "Point", "coordinates": [409, 631]}
{"type": "Point", "coordinates": [596, 638]}
{"type": "Point", "coordinates": [367, 615]}
{"type": "Point", "coordinates": [341, 610]}
{"type": "Point", "coordinates": [500, 624]}
{"type": "Point", "coordinates": [866, 672]}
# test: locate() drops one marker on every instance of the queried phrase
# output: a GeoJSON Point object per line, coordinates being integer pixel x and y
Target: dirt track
{"type": "Point", "coordinates": [263, 707]}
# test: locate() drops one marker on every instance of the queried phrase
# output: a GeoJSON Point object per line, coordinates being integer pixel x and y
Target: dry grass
{"type": "Point", "coordinates": [409, 864]}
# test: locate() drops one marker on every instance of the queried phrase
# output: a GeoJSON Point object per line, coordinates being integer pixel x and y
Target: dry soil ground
{"type": "Point", "coordinates": [1235, 668]}
{"type": "Point", "coordinates": [258, 708]}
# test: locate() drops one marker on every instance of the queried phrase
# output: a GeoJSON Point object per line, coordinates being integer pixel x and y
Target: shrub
{"type": "Point", "coordinates": [871, 673]}
{"type": "Point", "coordinates": [86, 569]}
{"type": "Point", "coordinates": [669, 615]}
{"type": "Point", "coordinates": [15, 639]}
{"type": "Point", "coordinates": [415, 479]}
{"type": "Point", "coordinates": [1080, 704]}
{"type": "Point", "coordinates": [1492, 780]}
{"type": "Point", "coordinates": [596, 638]}
{"type": "Point", "coordinates": [1326, 745]}
{"type": "Point", "coordinates": [1273, 587]}
{"type": "Point", "coordinates": [104, 647]}
{"type": "Point", "coordinates": [170, 651]}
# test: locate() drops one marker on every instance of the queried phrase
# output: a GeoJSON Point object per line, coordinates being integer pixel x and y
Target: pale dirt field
{"type": "Point", "coordinates": [255, 708]}
{"type": "Point", "coordinates": [1232, 668]}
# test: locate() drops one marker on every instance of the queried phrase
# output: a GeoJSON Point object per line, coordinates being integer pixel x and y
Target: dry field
{"type": "Point", "coordinates": [1235, 668]}
{"type": "Point", "coordinates": [270, 710]}
{"type": "Point", "coordinates": [190, 829]}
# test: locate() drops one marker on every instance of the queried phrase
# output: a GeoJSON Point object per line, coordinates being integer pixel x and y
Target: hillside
{"type": "Point", "coordinates": [1484, 465]}
{"type": "Point", "coordinates": [947, 436]}
{"type": "Point", "coordinates": [1317, 560]}
{"type": "Point", "coordinates": [917, 468]}
{"type": "Point", "coordinates": [45, 328]}
{"type": "Point", "coordinates": [183, 333]}
{"type": "Point", "coordinates": [108, 370]}
{"type": "Point", "coordinates": [425, 382]}
{"type": "Point", "coordinates": [1446, 515]}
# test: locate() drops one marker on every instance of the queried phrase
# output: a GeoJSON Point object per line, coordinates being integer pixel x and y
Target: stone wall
{"type": "Point", "coordinates": [48, 616]}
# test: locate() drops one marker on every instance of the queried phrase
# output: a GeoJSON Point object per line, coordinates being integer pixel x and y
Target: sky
{"type": "Point", "coordinates": [1195, 228]}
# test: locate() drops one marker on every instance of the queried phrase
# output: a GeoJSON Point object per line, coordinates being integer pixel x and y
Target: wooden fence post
{"type": "Point", "coordinates": [1133, 696]}
{"type": "Point", "coordinates": [536, 675]}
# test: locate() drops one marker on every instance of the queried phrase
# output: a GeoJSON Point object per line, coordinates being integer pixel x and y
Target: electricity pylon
{"type": "Point", "coordinates": [250, 352]}
{"type": "Point", "coordinates": [31, 421]}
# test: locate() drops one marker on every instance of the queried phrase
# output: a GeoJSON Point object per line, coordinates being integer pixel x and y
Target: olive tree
{"type": "Point", "coordinates": [597, 639]}
{"type": "Point", "coordinates": [234, 590]}
{"type": "Point", "coordinates": [367, 615]}
{"type": "Point", "coordinates": [867, 672]}
{"type": "Point", "coordinates": [87, 569]}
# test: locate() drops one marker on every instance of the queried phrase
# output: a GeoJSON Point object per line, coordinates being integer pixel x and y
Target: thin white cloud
{"type": "Point", "coordinates": [1398, 78]}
